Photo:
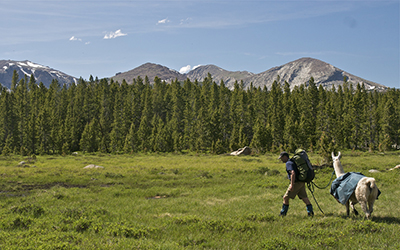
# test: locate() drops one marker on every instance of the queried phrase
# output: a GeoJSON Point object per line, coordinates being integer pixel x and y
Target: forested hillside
{"type": "Point", "coordinates": [107, 116]}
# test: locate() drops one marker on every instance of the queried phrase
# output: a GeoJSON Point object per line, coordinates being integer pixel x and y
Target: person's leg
{"type": "Point", "coordinates": [303, 195]}
{"type": "Point", "coordinates": [306, 201]}
{"type": "Point", "coordinates": [309, 207]}
{"type": "Point", "coordinates": [285, 206]}
{"type": "Point", "coordinates": [286, 197]}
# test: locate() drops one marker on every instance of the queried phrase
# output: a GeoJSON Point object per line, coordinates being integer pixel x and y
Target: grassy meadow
{"type": "Point", "coordinates": [186, 201]}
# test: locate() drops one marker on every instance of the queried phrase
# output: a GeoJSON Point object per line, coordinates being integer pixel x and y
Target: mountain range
{"type": "Point", "coordinates": [295, 73]}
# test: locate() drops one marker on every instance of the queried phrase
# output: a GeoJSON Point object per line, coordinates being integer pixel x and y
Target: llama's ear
{"type": "Point", "coordinates": [333, 155]}
{"type": "Point", "coordinates": [339, 155]}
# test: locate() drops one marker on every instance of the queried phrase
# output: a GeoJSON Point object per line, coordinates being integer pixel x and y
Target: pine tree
{"type": "Point", "coordinates": [214, 115]}
{"type": "Point", "coordinates": [258, 142]}
{"type": "Point", "coordinates": [160, 101]}
{"type": "Point", "coordinates": [8, 122]}
{"type": "Point", "coordinates": [106, 114]}
{"type": "Point", "coordinates": [234, 142]}
{"type": "Point", "coordinates": [131, 140]}
{"type": "Point", "coordinates": [90, 137]}
{"type": "Point", "coordinates": [42, 122]}
{"type": "Point", "coordinates": [358, 135]}
{"type": "Point", "coordinates": [22, 110]}
{"type": "Point", "coordinates": [162, 141]}
{"type": "Point", "coordinates": [145, 127]}
{"type": "Point", "coordinates": [311, 112]}
{"type": "Point", "coordinates": [291, 129]}
{"type": "Point", "coordinates": [372, 120]}
{"type": "Point", "coordinates": [190, 114]}
{"type": "Point", "coordinates": [32, 126]}
{"type": "Point", "coordinates": [144, 133]}
{"type": "Point", "coordinates": [339, 132]}
{"type": "Point", "coordinates": [224, 114]}
{"type": "Point", "coordinates": [117, 135]}
{"type": "Point", "coordinates": [14, 80]}
{"type": "Point", "coordinates": [52, 110]}
{"type": "Point", "coordinates": [390, 125]}
{"type": "Point", "coordinates": [59, 117]}
{"type": "Point", "coordinates": [175, 124]}
{"type": "Point", "coordinates": [348, 118]}
{"type": "Point", "coordinates": [276, 115]}
{"type": "Point", "coordinates": [77, 114]}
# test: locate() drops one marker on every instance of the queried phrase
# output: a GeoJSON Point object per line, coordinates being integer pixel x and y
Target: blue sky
{"type": "Point", "coordinates": [103, 37]}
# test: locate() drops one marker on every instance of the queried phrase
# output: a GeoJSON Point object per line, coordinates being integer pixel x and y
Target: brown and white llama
{"type": "Point", "coordinates": [365, 193]}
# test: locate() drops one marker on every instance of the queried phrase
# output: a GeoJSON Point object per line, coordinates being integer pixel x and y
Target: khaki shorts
{"type": "Point", "coordinates": [299, 189]}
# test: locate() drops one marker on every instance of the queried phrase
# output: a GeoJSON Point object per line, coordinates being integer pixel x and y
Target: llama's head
{"type": "Point", "coordinates": [336, 158]}
{"type": "Point", "coordinates": [337, 165]}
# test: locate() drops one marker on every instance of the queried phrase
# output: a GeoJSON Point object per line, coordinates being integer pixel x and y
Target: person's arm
{"type": "Point", "coordinates": [292, 179]}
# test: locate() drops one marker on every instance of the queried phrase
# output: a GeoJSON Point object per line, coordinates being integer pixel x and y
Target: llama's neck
{"type": "Point", "coordinates": [338, 168]}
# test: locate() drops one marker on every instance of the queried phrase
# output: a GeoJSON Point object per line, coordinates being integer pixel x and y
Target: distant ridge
{"type": "Point", "coordinates": [295, 73]}
{"type": "Point", "coordinates": [41, 73]}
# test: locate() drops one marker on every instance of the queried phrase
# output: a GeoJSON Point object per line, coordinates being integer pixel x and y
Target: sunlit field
{"type": "Point", "coordinates": [186, 201]}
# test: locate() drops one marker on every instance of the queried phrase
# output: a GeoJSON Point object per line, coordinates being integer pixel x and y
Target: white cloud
{"type": "Point", "coordinates": [195, 67]}
{"type": "Point", "coordinates": [115, 34]}
{"type": "Point", "coordinates": [185, 21]}
{"type": "Point", "coordinates": [164, 21]}
{"type": "Point", "coordinates": [185, 69]}
{"type": "Point", "coordinates": [73, 38]}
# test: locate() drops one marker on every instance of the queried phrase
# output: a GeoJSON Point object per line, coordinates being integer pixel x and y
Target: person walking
{"type": "Point", "coordinates": [296, 188]}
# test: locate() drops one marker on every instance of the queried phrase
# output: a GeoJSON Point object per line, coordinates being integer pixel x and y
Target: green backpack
{"type": "Point", "coordinates": [304, 167]}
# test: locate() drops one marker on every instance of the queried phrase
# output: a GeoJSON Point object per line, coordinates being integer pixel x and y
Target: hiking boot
{"type": "Point", "coordinates": [284, 210]}
{"type": "Point", "coordinates": [310, 210]}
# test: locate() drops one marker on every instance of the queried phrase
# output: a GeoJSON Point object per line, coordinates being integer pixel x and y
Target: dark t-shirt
{"type": "Point", "coordinates": [290, 165]}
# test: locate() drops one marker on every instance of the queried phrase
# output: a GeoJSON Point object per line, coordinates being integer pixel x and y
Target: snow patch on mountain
{"type": "Point", "coordinates": [41, 73]}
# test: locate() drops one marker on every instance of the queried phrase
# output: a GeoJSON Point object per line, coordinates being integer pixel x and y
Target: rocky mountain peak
{"type": "Point", "coordinates": [151, 70]}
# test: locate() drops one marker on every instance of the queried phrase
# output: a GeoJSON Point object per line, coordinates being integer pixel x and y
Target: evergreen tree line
{"type": "Point", "coordinates": [111, 117]}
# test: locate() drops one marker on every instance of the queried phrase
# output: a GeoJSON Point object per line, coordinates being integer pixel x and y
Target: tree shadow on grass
{"type": "Point", "coordinates": [377, 219]}
{"type": "Point", "coordinates": [386, 219]}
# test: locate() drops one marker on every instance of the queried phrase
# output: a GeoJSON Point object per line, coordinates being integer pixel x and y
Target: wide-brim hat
{"type": "Point", "coordinates": [282, 154]}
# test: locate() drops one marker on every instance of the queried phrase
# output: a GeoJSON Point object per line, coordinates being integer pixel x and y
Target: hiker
{"type": "Point", "coordinates": [295, 187]}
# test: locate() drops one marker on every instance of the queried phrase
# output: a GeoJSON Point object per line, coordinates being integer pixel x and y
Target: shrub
{"type": "Point", "coordinates": [260, 217]}
{"type": "Point", "coordinates": [82, 224]}
{"type": "Point", "coordinates": [205, 174]}
{"type": "Point", "coordinates": [274, 243]}
{"type": "Point", "coordinates": [127, 231]}
{"type": "Point", "coordinates": [366, 226]}
{"type": "Point", "coordinates": [29, 209]}
{"type": "Point", "coordinates": [113, 175]}
{"type": "Point", "coordinates": [21, 222]}
{"type": "Point", "coordinates": [185, 220]}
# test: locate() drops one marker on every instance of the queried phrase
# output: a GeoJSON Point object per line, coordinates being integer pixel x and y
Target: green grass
{"type": "Point", "coordinates": [171, 201]}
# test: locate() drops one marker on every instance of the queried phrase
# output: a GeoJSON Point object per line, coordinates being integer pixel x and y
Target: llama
{"type": "Point", "coordinates": [365, 193]}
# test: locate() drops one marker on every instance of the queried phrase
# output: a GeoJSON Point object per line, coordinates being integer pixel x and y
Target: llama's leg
{"type": "Point", "coordinates": [347, 209]}
{"type": "Point", "coordinates": [352, 207]}
{"type": "Point", "coordinates": [365, 209]}
{"type": "Point", "coordinates": [371, 201]}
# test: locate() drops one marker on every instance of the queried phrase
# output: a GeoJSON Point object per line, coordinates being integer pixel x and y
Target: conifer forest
{"type": "Point", "coordinates": [111, 117]}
